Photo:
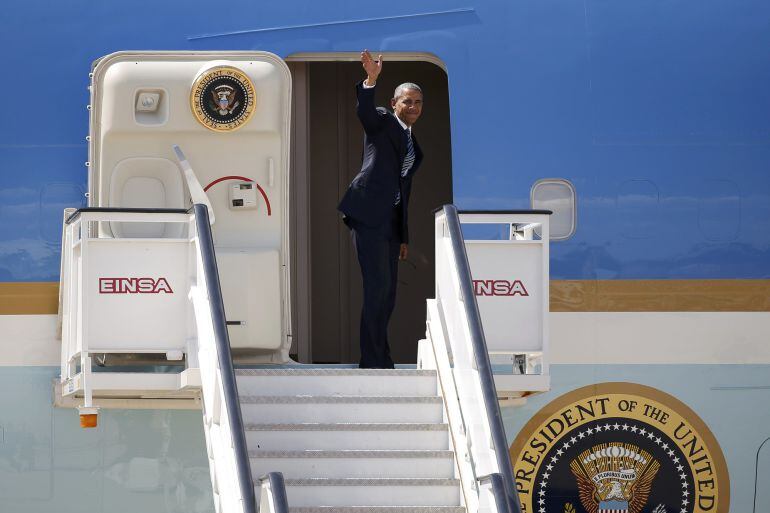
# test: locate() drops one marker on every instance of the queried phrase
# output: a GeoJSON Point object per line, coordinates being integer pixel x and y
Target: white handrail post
{"type": "Point", "coordinates": [85, 279]}
{"type": "Point", "coordinates": [65, 299]}
{"type": "Point", "coordinates": [87, 411]}
{"type": "Point", "coordinates": [76, 343]}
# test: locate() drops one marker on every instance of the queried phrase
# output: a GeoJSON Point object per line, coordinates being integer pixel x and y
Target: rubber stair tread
{"type": "Point", "coordinates": [338, 399]}
{"type": "Point", "coordinates": [377, 509]}
{"type": "Point", "coordinates": [294, 399]}
{"type": "Point", "coordinates": [335, 372]}
{"type": "Point", "coordinates": [372, 481]}
{"type": "Point", "coordinates": [353, 453]}
{"type": "Point", "coordinates": [348, 426]}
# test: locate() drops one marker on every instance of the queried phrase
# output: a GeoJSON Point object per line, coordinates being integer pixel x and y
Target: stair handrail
{"type": "Point", "coordinates": [481, 359]}
{"type": "Point", "coordinates": [73, 216]}
{"type": "Point", "coordinates": [497, 482]}
{"type": "Point", "coordinates": [276, 500]}
{"type": "Point", "coordinates": [224, 356]}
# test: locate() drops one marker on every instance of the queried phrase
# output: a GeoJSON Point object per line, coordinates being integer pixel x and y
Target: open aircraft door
{"type": "Point", "coordinates": [229, 115]}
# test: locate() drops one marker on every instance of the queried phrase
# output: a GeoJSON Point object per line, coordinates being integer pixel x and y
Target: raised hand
{"type": "Point", "coordinates": [373, 68]}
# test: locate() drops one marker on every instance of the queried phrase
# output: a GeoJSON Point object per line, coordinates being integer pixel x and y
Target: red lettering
{"type": "Point", "coordinates": [482, 287]}
{"type": "Point", "coordinates": [134, 286]}
{"type": "Point", "coordinates": [502, 287]}
{"type": "Point", "coordinates": [163, 286]}
{"type": "Point", "coordinates": [499, 288]}
{"type": "Point", "coordinates": [107, 286]}
{"type": "Point", "coordinates": [128, 285]}
{"type": "Point", "coordinates": [518, 288]}
{"type": "Point", "coordinates": [145, 285]}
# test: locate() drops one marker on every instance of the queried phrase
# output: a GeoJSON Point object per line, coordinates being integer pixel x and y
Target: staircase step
{"type": "Point", "coordinates": [348, 435]}
{"type": "Point", "coordinates": [358, 463]}
{"type": "Point", "coordinates": [335, 409]}
{"type": "Point", "coordinates": [378, 509]}
{"type": "Point", "coordinates": [315, 381]}
{"type": "Point", "coordinates": [359, 493]}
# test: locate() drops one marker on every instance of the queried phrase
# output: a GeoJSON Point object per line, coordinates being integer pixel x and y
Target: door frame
{"type": "Point", "coordinates": [299, 219]}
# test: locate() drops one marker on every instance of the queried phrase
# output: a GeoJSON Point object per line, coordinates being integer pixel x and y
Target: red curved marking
{"type": "Point", "coordinates": [244, 179]}
{"type": "Point", "coordinates": [267, 201]}
{"type": "Point", "coordinates": [222, 179]}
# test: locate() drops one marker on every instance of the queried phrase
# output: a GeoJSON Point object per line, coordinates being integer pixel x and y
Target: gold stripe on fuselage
{"type": "Point", "coordinates": [38, 298]}
{"type": "Point", "coordinates": [660, 295]}
{"type": "Point", "coordinates": [29, 298]}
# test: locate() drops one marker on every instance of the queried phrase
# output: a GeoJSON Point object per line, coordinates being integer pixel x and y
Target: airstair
{"type": "Point", "coordinates": [184, 280]}
{"type": "Point", "coordinates": [351, 439]}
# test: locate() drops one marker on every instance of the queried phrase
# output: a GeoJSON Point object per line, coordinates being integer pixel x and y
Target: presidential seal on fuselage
{"type": "Point", "coordinates": [619, 448]}
{"type": "Point", "coordinates": [223, 98]}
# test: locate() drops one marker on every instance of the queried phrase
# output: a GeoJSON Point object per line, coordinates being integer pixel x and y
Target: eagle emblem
{"type": "Point", "coordinates": [614, 478]}
{"type": "Point", "coordinates": [225, 99]}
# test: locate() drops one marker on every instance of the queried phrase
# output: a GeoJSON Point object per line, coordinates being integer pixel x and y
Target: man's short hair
{"type": "Point", "coordinates": [405, 86]}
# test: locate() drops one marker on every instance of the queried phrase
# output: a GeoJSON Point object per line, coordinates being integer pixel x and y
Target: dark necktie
{"type": "Point", "coordinates": [408, 160]}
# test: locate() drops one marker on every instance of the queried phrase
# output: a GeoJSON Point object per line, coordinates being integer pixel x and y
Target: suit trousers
{"type": "Point", "coordinates": [377, 249]}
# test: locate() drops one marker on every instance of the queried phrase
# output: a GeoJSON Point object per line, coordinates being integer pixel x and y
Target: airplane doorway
{"type": "Point", "coordinates": [326, 155]}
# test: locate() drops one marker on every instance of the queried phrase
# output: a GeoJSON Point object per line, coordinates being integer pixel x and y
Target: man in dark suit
{"type": "Point", "coordinates": [375, 206]}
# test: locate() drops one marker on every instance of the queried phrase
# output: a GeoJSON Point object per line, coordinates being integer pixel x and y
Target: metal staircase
{"type": "Point", "coordinates": [306, 439]}
{"type": "Point", "coordinates": [350, 440]}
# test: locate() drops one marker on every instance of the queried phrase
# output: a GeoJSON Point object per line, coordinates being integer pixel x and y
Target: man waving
{"type": "Point", "coordinates": [376, 204]}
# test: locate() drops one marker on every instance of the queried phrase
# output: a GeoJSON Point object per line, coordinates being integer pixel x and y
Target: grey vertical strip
{"type": "Point", "coordinates": [300, 211]}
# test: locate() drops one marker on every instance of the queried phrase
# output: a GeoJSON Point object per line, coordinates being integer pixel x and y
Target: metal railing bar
{"type": "Point", "coordinates": [278, 491]}
{"type": "Point", "coordinates": [483, 365]}
{"type": "Point", "coordinates": [222, 341]}
{"type": "Point", "coordinates": [75, 215]}
{"type": "Point", "coordinates": [523, 211]}
{"type": "Point", "coordinates": [515, 211]}
{"type": "Point", "coordinates": [498, 488]}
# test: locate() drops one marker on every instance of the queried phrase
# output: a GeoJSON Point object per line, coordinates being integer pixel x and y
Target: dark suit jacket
{"type": "Point", "coordinates": [370, 196]}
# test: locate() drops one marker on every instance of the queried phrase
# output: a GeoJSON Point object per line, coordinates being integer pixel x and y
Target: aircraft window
{"type": "Point", "coordinates": [558, 196]}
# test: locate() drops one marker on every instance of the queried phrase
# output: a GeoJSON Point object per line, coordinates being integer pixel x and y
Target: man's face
{"type": "Point", "coordinates": [408, 106]}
